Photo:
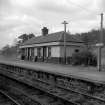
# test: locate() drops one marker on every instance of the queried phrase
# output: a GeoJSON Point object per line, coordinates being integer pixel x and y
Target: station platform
{"type": "Point", "coordinates": [80, 72]}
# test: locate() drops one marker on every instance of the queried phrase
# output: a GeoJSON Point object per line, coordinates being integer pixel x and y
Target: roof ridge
{"type": "Point", "coordinates": [53, 37]}
{"type": "Point", "coordinates": [55, 32]}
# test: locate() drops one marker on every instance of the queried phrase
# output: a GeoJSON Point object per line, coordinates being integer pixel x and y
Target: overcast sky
{"type": "Point", "coordinates": [29, 16]}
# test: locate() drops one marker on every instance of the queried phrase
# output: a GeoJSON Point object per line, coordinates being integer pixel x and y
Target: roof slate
{"type": "Point", "coordinates": [53, 37]}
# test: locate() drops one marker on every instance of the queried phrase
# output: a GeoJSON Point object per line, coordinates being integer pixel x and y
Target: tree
{"type": "Point", "coordinates": [5, 49]}
{"type": "Point", "coordinates": [12, 50]}
{"type": "Point", "coordinates": [9, 50]}
{"type": "Point", "coordinates": [25, 37]}
{"type": "Point", "coordinates": [31, 36]}
{"type": "Point", "coordinates": [91, 37]}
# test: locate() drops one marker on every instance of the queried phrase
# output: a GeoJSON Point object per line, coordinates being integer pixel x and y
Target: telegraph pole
{"type": "Point", "coordinates": [65, 23]}
{"type": "Point", "coordinates": [101, 30]}
{"type": "Point", "coordinates": [100, 44]}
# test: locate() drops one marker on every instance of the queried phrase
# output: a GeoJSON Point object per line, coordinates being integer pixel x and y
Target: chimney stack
{"type": "Point", "coordinates": [44, 31]}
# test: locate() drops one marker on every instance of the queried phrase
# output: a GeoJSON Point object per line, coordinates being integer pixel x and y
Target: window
{"type": "Point", "coordinates": [49, 51]}
{"type": "Point", "coordinates": [39, 52]}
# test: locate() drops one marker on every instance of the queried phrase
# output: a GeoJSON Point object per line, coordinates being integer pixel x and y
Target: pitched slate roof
{"type": "Point", "coordinates": [53, 37]}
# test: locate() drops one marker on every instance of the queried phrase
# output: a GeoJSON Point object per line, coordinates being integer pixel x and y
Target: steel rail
{"type": "Point", "coordinates": [5, 94]}
{"type": "Point", "coordinates": [90, 96]}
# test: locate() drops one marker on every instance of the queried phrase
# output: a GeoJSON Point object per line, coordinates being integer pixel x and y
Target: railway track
{"type": "Point", "coordinates": [68, 95]}
{"type": "Point", "coordinates": [40, 96]}
{"type": "Point", "coordinates": [27, 95]}
{"type": "Point", "coordinates": [22, 99]}
{"type": "Point", "coordinates": [5, 99]}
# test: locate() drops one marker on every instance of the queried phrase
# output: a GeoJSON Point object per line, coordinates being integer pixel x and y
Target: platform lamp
{"type": "Point", "coordinates": [65, 23]}
{"type": "Point", "coordinates": [100, 45]}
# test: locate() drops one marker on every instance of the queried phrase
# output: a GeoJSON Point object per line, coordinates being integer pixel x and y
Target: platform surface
{"type": "Point", "coordinates": [85, 73]}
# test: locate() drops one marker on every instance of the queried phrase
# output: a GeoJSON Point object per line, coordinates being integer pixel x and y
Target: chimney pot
{"type": "Point", "coordinates": [44, 31]}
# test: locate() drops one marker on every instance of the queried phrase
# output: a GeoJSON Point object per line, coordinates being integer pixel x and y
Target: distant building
{"type": "Point", "coordinates": [50, 47]}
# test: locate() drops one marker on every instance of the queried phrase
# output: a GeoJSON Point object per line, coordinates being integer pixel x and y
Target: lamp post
{"type": "Point", "coordinates": [65, 23]}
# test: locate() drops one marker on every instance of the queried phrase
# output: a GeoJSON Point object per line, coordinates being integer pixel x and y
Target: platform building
{"type": "Point", "coordinates": [50, 47]}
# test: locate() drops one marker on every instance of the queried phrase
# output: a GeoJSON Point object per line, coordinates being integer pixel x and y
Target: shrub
{"type": "Point", "coordinates": [84, 57]}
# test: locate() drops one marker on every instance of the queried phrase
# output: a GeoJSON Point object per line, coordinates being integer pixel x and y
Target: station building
{"type": "Point", "coordinates": [50, 47]}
